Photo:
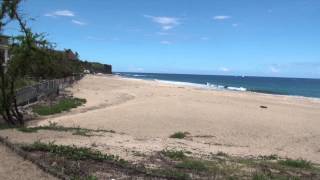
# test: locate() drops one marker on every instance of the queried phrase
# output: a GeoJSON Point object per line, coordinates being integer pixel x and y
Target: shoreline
{"type": "Point", "coordinates": [205, 87]}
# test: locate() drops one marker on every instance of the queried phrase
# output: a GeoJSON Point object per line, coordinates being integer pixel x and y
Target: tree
{"type": "Point", "coordinates": [33, 56]}
{"type": "Point", "coordinates": [25, 48]}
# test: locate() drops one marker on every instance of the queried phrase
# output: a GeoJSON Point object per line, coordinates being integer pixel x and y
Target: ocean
{"type": "Point", "coordinates": [270, 85]}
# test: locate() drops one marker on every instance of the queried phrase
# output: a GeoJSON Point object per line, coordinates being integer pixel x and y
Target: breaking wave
{"type": "Point", "coordinates": [226, 87]}
{"type": "Point", "coordinates": [206, 86]}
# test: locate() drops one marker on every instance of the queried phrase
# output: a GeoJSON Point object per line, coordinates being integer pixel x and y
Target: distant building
{"type": "Point", "coordinates": [4, 50]}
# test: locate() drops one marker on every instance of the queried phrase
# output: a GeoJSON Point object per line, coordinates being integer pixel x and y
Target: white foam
{"type": "Point", "coordinates": [207, 86]}
{"type": "Point", "coordinates": [237, 88]}
{"type": "Point", "coordinates": [138, 75]}
{"type": "Point", "coordinates": [214, 86]}
{"type": "Point", "coordinates": [226, 87]}
{"type": "Point", "coordinates": [179, 83]}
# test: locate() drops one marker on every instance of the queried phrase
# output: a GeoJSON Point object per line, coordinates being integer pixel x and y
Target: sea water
{"type": "Point", "coordinates": [271, 85]}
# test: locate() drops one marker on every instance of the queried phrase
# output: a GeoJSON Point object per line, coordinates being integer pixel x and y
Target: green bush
{"type": "Point", "coordinates": [172, 174]}
{"type": "Point", "coordinates": [192, 165]}
{"type": "Point", "coordinates": [220, 153]}
{"type": "Point", "coordinates": [56, 127]}
{"type": "Point", "coordinates": [62, 105]}
{"type": "Point", "coordinates": [72, 152]}
{"type": "Point", "coordinates": [297, 163]}
{"type": "Point", "coordinates": [22, 82]}
{"type": "Point", "coordinates": [259, 176]}
{"type": "Point", "coordinates": [172, 154]}
{"type": "Point", "coordinates": [179, 135]}
{"type": "Point", "coordinates": [4, 126]}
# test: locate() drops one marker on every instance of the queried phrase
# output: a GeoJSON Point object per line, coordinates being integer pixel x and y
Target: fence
{"type": "Point", "coordinates": [32, 93]}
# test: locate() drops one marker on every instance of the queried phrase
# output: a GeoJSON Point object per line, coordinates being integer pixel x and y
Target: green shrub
{"type": "Point", "coordinates": [84, 178]}
{"type": "Point", "coordinates": [297, 163]}
{"type": "Point", "coordinates": [62, 105]}
{"type": "Point", "coordinates": [82, 132]}
{"type": "Point", "coordinates": [55, 127]}
{"type": "Point", "coordinates": [172, 154]}
{"type": "Point", "coordinates": [220, 153]}
{"type": "Point", "coordinates": [5, 126]}
{"type": "Point", "coordinates": [179, 135]}
{"type": "Point", "coordinates": [172, 174]}
{"type": "Point", "coordinates": [260, 177]}
{"type": "Point", "coordinates": [192, 165]}
{"type": "Point", "coordinates": [27, 130]}
{"type": "Point", "coordinates": [269, 157]}
{"type": "Point", "coordinates": [72, 152]}
{"type": "Point", "coordinates": [22, 82]}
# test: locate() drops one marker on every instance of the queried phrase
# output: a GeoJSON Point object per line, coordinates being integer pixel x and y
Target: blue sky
{"type": "Point", "coordinates": [227, 37]}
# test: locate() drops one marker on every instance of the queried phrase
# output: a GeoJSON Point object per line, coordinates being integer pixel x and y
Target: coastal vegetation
{"type": "Point", "coordinates": [87, 162]}
{"type": "Point", "coordinates": [174, 154]}
{"type": "Point", "coordinates": [220, 153]}
{"type": "Point", "coordinates": [298, 163]}
{"type": "Point", "coordinates": [10, 73]}
{"type": "Point", "coordinates": [177, 165]}
{"type": "Point", "coordinates": [179, 135]}
{"type": "Point", "coordinates": [61, 105]}
{"type": "Point", "coordinates": [56, 127]}
{"type": "Point", "coordinates": [72, 152]}
{"type": "Point", "coordinates": [32, 58]}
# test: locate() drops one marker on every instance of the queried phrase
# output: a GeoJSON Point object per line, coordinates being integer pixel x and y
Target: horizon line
{"type": "Point", "coordinates": [284, 77]}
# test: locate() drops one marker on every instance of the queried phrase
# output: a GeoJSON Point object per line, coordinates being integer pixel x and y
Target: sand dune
{"type": "Point", "coordinates": [232, 122]}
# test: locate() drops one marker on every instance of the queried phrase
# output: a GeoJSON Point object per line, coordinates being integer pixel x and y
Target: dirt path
{"type": "Point", "coordinates": [13, 167]}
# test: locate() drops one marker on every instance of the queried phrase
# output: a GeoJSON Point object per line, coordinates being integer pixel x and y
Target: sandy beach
{"type": "Point", "coordinates": [146, 113]}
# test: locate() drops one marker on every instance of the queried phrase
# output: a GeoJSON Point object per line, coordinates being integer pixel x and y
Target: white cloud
{"type": "Point", "coordinates": [165, 22]}
{"type": "Point", "coordinates": [221, 17]}
{"type": "Point", "coordinates": [165, 42]}
{"type": "Point", "coordinates": [274, 69]}
{"type": "Point", "coordinates": [49, 15]}
{"type": "Point", "coordinates": [81, 23]}
{"type": "Point", "coordinates": [224, 69]}
{"type": "Point", "coordinates": [66, 13]}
